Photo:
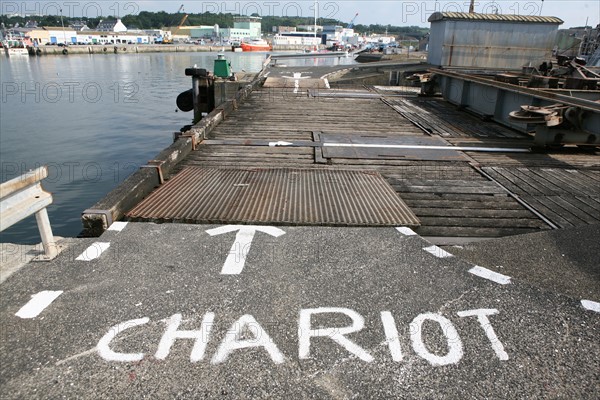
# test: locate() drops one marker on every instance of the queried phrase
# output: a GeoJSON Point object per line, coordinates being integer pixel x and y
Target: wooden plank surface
{"type": "Point", "coordinates": [451, 197]}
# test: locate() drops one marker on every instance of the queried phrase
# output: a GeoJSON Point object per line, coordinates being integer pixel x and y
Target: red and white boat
{"type": "Point", "coordinates": [256, 45]}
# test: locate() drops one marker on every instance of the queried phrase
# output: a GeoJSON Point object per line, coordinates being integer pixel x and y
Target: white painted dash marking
{"type": "Point", "coordinates": [436, 251]}
{"type": "Point", "coordinates": [94, 251]}
{"type": "Point", "coordinates": [490, 275]}
{"type": "Point", "coordinates": [117, 226]}
{"type": "Point", "coordinates": [297, 75]}
{"type": "Point", "coordinates": [279, 143]}
{"type": "Point", "coordinates": [38, 303]}
{"type": "Point", "coordinates": [591, 305]}
{"type": "Point", "coordinates": [406, 231]}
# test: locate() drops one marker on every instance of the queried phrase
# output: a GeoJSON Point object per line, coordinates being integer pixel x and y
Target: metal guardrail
{"type": "Point", "coordinates": [23, 196]}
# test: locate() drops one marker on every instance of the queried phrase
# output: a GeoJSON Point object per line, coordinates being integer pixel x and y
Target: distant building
{"type": "Point", "coordinates": [296, 39]}
{"type": "Point", "coordinates": [53, 34]}
{"type": "Point", "coordinates": [79, 26]}
{"type": "Point", "coordinates": [332, 34]}
{"type": "Point", "coordinates": [251, 24]}
{"type": "Point", "coordinates": [310, 28]}
{"type": "Point", "coordinates": [203, 32]}
{"type": "Point", "coordinates": [56, 35]}
{"type": "Point", "coordinates": [490, 40]}
{"type": "Point", "coordinates": [284, 29]}
{"type": "Point", "coordinates": [111, 26]}
{"type": "Point", "coordinates": [243, 28]}
{"type": "Point", "coordinates": [380, 39]}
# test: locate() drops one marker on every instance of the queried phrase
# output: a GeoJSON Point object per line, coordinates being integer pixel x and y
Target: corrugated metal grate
{"type": "Point", "coordinates": [276, 196]}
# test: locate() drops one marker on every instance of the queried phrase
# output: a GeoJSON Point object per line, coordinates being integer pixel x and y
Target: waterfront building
{"type": "Point", "coordinates": [53, 35]}
{"type": "Point", "coordinates": [296, 39]}
{"type": "Point", "coordinates": [252, 25]}
{"type": "Point", "coordinates": [244, 28]}
{"type": "Point", "coordinates": [111, 26]}
{"type": "Point", "coordinates": [56, 35]}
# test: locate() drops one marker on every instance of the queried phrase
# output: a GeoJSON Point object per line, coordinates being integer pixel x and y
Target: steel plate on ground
{"type": "Point", "coordinates": [276, 196]}
{"type": "Point", "coordinates": [387, 153]}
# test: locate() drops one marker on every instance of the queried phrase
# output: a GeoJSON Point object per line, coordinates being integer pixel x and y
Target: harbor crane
{"type": "Point", "coordinates": [168, 39]}
{"type": "Point", "coordinates": [351, 24]}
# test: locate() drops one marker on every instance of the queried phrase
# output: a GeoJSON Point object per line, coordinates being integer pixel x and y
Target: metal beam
{"type": "Point", "coordinates": [584, 104]}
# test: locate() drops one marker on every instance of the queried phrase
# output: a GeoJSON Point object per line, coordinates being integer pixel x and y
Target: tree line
{"type": "Point", "coordinates": [157, 20]}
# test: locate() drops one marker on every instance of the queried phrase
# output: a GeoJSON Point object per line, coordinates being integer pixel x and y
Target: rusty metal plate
{"type": "Point", "coordinates": [276, 196]}
{"type": "Point", "coordinates": [386, 153]}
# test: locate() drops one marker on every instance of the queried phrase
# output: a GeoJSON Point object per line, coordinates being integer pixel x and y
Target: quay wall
{"type": "Point", "coordinates": [146, 48]}
{"type": "Point", "coordinates": [130, 48]}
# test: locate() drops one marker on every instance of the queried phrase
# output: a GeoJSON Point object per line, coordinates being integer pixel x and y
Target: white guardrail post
{"type": "Point", "coordinates": [23, 196]}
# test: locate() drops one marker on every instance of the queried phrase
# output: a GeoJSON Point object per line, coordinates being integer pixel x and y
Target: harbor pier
{"type": "Point", "coordinates": [316, 236]}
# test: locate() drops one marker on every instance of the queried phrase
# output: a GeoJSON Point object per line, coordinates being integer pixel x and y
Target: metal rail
{"type": "Point", "coordinates": [23, 196]}
{"type": "Point", "coordinates": [584, 104]}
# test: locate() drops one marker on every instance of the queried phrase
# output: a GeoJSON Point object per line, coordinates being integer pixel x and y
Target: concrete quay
{"type": "Point", "coordinates": [179, 310]}
{"type": "Point", "coordinates": [316, 267]}
{"type": "Point", "coordinates": [129, 48]}
{"type": "Point", "coordinates": [147, 48]}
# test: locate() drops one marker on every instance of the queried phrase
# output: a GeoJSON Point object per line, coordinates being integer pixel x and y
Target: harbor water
{"type": "Point", "coordinates": [94, 120]}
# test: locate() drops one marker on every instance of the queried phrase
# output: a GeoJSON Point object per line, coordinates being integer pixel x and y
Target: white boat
{"type": "Point", "coordinates": [15, 47]}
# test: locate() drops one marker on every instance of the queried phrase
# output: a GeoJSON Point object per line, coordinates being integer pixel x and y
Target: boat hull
{"type": "Point", "coordinates": [255, 47]}
{"type": "Point", "coordinates": [15, 52]}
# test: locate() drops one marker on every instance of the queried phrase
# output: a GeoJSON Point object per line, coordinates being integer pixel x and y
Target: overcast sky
{"type": "Point", "coordinates": [573, 12]}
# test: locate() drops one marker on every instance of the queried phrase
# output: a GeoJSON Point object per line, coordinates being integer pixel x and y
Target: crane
{"type": "Point", "coordinates": [169, 39]}
{"type": "Point", "coordinates": [351, 24]}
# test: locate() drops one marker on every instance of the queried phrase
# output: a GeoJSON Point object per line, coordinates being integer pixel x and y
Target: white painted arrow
{"type": "Point", "coordinates": [234, 264]}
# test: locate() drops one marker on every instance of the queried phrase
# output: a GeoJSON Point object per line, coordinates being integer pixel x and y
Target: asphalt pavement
{"type": "Point", "coordinates": [193, 311]}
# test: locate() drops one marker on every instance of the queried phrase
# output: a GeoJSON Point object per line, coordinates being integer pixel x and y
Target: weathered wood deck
{"type": "Point", "coordinates": [480, 195]}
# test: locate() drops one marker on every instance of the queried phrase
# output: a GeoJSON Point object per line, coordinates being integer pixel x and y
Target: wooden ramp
{"type": "Point", "coordinates": [454, 194]}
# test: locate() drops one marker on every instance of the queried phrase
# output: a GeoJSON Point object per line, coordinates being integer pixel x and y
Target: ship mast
{"type": "Point", "coordinates": [315, 27]}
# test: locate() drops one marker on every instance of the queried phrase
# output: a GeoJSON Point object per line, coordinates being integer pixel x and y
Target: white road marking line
{"type": "Point", "coordinates": [591, 305]}
{"type": "Point", "coordinates": [279, 143]}
{"type": "Point", "coordinates": [326, 83]}
{"type": "Point", "coordinates": [297, 76]}
{"type": "Point", "coordinates": [405, 231]}
{"type": "Point", "coordinates": [93, 252]}
{"type": "Point", "coordinates": [436, 251]}
{"type": "Point", "coordinates": [426, 147]}
{"type": "Point", "coordinates": [490, 275]}
{"type": "Point", "coordinates": [117, 226]}
{"type": "Point", "coordinates": [38, 303]}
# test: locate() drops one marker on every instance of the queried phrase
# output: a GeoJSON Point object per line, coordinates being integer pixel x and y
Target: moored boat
{"type": "Point", "coordinates": [256, 45]}
{"type": "Point", "coordinates": [15, 47]}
